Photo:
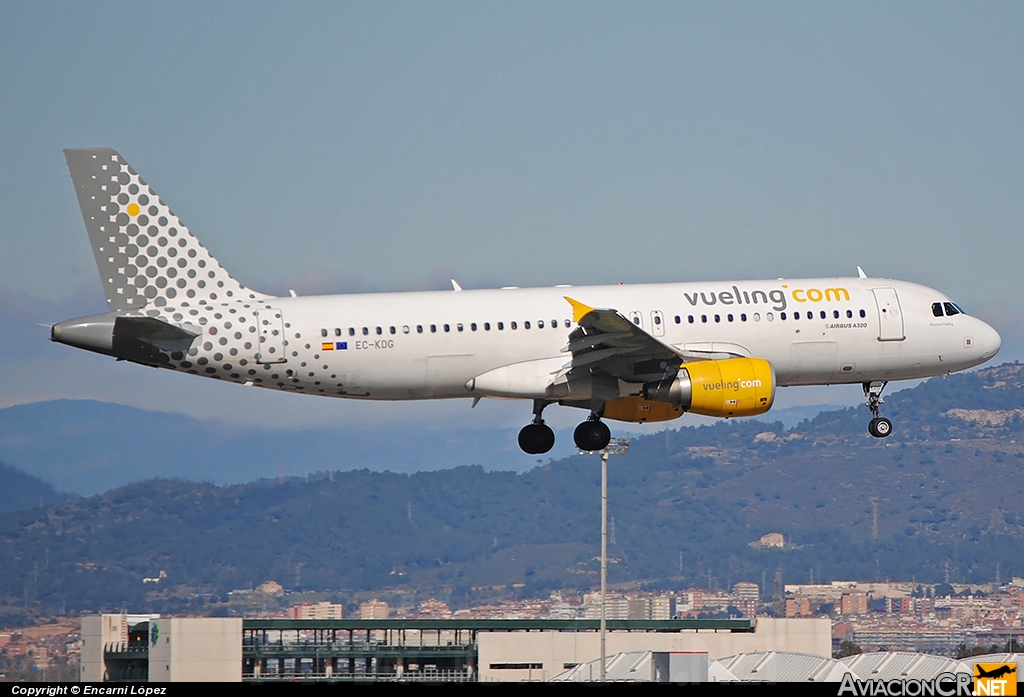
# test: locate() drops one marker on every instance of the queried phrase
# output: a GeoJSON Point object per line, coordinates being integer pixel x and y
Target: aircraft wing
{"type": "Point", "coordinates": [606, 341]}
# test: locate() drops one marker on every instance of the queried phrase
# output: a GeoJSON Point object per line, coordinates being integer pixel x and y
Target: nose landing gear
{"type": "Point", "coordinates": [879, 427]}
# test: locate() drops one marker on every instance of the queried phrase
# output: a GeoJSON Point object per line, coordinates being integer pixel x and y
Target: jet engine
{"type": "Point", "coordinates": [726, 388]}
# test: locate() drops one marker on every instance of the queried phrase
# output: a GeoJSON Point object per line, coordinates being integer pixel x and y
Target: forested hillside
{"type": "Point", "coordinates": [686, 503]}
{"type": "Point", "coordinates": [20, 490]}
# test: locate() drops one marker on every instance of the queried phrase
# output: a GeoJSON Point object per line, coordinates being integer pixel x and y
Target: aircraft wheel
{"type": "Point", "coordinates": [880, 427]}
{"type": "Point", "coordinates": [592, 435]}
{"type": "Point", "coordinates": [536, 439]}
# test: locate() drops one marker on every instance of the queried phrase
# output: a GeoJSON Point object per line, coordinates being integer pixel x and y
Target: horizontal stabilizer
{"type": "Point", "coordinates": [145, 340]}
{"type": "Point", "coordinates": [152, 330]}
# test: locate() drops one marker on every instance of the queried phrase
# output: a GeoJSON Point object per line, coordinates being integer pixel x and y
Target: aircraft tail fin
{"type": "Point", "coordinates": [146, 256]}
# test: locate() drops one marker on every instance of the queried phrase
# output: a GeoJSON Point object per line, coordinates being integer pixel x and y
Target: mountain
{"type": "Point", "coordinates": [943, 491]}
{"type": "Point", "coordinates": [20, 490]}
{"type": "Point", "coordinates": [89, 447]}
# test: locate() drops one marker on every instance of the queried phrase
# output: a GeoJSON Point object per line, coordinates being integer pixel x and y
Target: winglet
{"type": "Point", "coordinates": [860, 273]}
{"type": "Point", "coordinates": [455, 286]}
{"type": "Point", "coordinates": [579, 310]}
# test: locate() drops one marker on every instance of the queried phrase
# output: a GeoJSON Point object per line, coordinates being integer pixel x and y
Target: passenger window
{"type": "Point", "coordinates": [501, 325]}
{"type": "Point", "coordinates": [835, 314]}
{"type": "Point", "coordinates": [351, 331]}
{"type": "Point", "coordinates": [730, 318]}
{"type": "Point", "coordinates": [391, 329]}
{"type": "Point", "coordinates": [863, 314]}
{"type": "Point", "coordinates": [366, 331]}
{"type": "Point", "coordinates": [337, 331]}
{"type": "Point", "coordinates": [796, 315]}
{"type": "Point", "coordinates": [937, 309]}
{"type": "Point", "coordinates": [718, 318]}
{"type": "Point", "coordinates": [379, 331]}
{"type": "Point", "coordinates": [512, 325]}
{"type": "Point", "coordinates": [657, 319]}
{"type": "Point", "coordinates": [690, 318]}
{"type": "Point", "coordinates": [678, 319]}
{"type": "Point", "coordinates": [849, 314]}
{"type": "Point", "coordinates": [447, 327]}
{"type": "Point", "coordinates": [540, 324]}
{"type": "Point", "coordinates": [568, 324]}
{"type": "Point", "coordinates": [405, 328]}
{"type": "Point", "coordinates": [487, 326]}
{"type": "Point", "coordinates": [433, 328]}
{"type": "Point", "coordinates": [419, 328]}
{"type": "Point", "coordinates": [459, 326]}
{"type": "Point", "coordinates": [823, 314]}
{"type": "Point", "coordinates": [473, 326]}
{"type": "Point", "coordinates": [769, 316]}
{"type": "Point", "coordinates": [743, 317]}
{"type": "Point", "coordinates": [526, 325]}
{"type": "Point", "coordinates": [323, 332]}
{"type": "Point", "coordinates": [636, 321]}
{"type": "Point", "coordinates": [704, 318]}
{"type": "Point", "coordinates": [782, 315]}
{"type": "Point", "coordinates": [554, 324]}
{"type": "Point", "coordinates": [951, 309]}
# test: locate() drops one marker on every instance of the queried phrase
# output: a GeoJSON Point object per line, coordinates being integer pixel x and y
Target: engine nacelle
{"type": "Point", "coordinates": [730, 387]}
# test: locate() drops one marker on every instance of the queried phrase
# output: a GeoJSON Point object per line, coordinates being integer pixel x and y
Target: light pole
{"type": "Point", "coordinates": [616, 446]}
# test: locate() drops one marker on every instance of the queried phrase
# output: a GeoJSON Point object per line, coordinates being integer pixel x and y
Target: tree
{"type": "Point", "coordinates": [847, 648]}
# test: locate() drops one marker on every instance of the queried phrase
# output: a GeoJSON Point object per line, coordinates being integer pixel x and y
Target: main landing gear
{"type": "Point", "coordinates": [537, 438]}
{"type": "Point", "coordinates": [879, 427]}
{"type": "Point", "coordinates": [592, 434]}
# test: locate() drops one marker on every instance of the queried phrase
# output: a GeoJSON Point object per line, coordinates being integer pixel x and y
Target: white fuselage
{"type": "Point", "coordinates": [396, 346]}
{"type": "Point", "coordinates": [625, 352]}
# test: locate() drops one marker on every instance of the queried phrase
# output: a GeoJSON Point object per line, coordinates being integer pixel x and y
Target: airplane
{"type": "Point", "coordinates": [1004, 669]}
{"type": "Point", "coordinates": [631, 353]}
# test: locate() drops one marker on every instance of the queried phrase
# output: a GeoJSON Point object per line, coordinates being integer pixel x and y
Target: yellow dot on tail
{"type": "Point", "coordinates": [133, 209]}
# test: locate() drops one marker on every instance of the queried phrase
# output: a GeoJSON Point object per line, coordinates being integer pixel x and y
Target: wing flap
{"type": "Point", "coordinates": [606, 341]}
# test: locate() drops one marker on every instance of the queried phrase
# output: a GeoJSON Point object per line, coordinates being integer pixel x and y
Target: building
{"type": "Point", "coordinates": [144, 648]}
{"type": "Point", "coordinates": [148, 648]}
{"type": "Point", "coordinates": [854, 603]}
{"type": "Point", "coordinates": [374, 610]}
{"type": "Point", "coordinates": [772, 539]}
{"type": "Point", "coordinates": [798, 606]}
{"type": "Point", "coordinates": [316, 611]}
{"type": "Point", "coordinates": [747, 591]}
{"type": "Point", "coordinates": [663, 607]}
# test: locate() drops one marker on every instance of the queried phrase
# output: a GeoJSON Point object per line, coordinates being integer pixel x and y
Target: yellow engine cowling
{"type": "Point", "coordinates": [731, 387]}
{"type": "Point", "coordinates": [726, 388]}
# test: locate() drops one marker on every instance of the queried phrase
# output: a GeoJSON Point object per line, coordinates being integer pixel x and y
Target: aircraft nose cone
{"type": "Point", "coordinates": [989, 341]}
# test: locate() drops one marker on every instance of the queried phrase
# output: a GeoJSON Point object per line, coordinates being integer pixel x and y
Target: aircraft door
{"type": "Point", "coordinates": [271, 341]}
{"type": "Point", "coordinates": [657, 323]}
{"type": "Point", "coordinates": [890, 319]}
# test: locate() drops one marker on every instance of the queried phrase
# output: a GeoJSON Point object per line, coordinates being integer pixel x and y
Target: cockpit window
{"type": "Point", "coordinates": [951, 309]}
{"type": "Point", "coordinates": [937, 309]}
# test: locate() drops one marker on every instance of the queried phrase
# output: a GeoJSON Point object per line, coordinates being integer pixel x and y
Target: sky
{"type": "Point", "coordinates": [370, 146]}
